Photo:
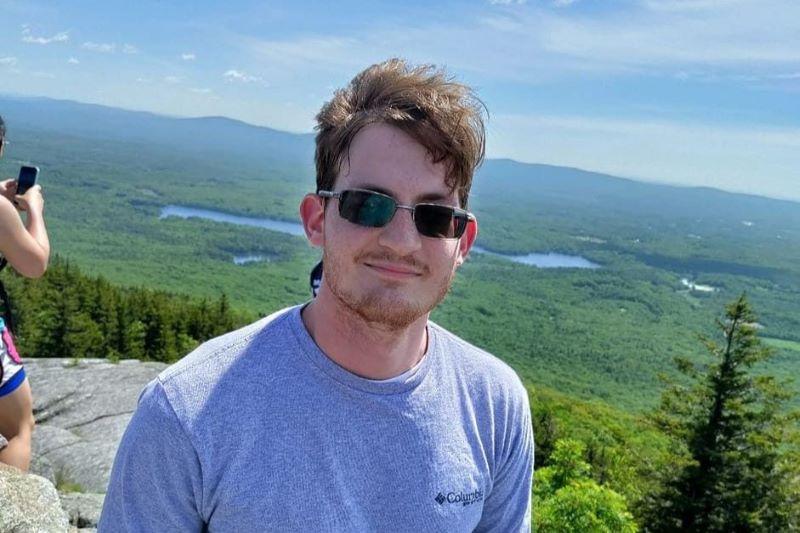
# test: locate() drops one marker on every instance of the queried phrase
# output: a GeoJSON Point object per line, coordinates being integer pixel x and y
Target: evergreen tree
{"type": "Point", "coordinates": [134, 340]}
{"type": "Point", "coordinates": [68, 314]}
{"type": "Point", "coordinates": [732, 438]}
{"type": "Point", "coordinates": [546, 432]}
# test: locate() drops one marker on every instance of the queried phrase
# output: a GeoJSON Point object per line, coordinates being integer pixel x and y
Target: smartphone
{"type": "Point", "coordinates": [27, 178]}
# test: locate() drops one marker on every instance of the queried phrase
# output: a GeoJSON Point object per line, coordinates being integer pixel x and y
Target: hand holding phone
{"type": "Point", "coordinates": [32, 201]}
{"type": "Point", "coordinates": [26, 179]}
{"type": "Point", "coordinates": [28, 195]}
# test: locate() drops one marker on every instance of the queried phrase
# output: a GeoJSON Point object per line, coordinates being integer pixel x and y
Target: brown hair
{"type": "Point", "coordinates": [443, 116]}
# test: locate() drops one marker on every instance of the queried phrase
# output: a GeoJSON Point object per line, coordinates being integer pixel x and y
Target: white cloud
{"type": "Point", "coordinates": [201, 90]}
{"type": "Point", "coordinates": [238, 75]}
{"type": "Point", "coordinates": [129, 49]}
{"type": "Point", "coordinates": [189, 56]}
{"type": "Point", "coordinates": [506, 2]}
{"type": "Point", "coordinates": [316, 55]}
{"type": "Point", "coordinates": [710, 34]}
{"type": "Point", "coordinates": [173, 79]}
{"type": "Point", "coordinates": [72, 61]}
{"type": "Point", "coordinates": [107, 48]}
{"type": "Point", "coordinates": [502, 24]}
{"type": "Point", "coordinates": [756, 77]}
{"type": "Point", "coordinates": [28, 37]}
{"type": "Point", "coordinates": [688, 5]}
{"type": "Point", "coordinates": [539, 44]}
{"type": "Point", "coordinates": [8, 61]}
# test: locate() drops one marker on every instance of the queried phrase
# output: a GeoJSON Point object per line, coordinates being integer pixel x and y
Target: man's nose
{"type": "Point", "coordinates": [400, 234]}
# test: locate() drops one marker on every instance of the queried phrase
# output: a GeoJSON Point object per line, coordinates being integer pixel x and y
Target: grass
{"type": "Point", "coordinates": [63, 484]}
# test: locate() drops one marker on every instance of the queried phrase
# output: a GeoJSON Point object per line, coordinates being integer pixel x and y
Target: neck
{"type": "Point", "coordinates": [361, 347]}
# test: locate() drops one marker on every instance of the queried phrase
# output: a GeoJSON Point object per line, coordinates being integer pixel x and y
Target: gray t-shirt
{"type": "Point", "coordinates": [258, 430]}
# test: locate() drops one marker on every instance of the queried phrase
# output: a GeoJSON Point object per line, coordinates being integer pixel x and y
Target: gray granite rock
{"type": "Point", "coordinates": [30, 503]}
{"type": "Point", "coordinates": [83, 509]}
{"type": "Point", "coordinates": [41, 466]}
{"type": "Point", "coordinates": [82, 409]}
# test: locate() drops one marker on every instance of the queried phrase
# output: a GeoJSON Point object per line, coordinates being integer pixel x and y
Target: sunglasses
{"type": "Point", "coordinates": [374, 210]}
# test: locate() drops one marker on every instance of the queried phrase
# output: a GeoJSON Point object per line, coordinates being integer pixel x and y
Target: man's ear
{"type": "Point", "coordinates": [312, 213]}
{"type": "Point", "coordinates": [466, 241]}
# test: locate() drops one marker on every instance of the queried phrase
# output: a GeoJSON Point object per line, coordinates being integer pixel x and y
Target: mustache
{"type": "Point", "coordinates": [407, 261]}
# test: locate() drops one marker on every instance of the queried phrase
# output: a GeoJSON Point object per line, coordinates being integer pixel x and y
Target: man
{"type": "Point", "coordinates": [25, 246]}
{"type": "Point", "coordinates": [352, 412]}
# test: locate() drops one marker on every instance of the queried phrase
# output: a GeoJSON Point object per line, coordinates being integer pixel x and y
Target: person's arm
{"type": "Point", "coordinates": [25, 246]}
{"type": "Point", "coordinates": [155, 482]}
{"type": "Point", "coordinates": [508, 506]}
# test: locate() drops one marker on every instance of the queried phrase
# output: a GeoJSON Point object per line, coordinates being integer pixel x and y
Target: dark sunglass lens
{"type": "Point", "coordinates": [366, 208]}
{"type": "Point", "coordinates": [460, 225]}
{"type": "Point", "coordinates": [436, 221]}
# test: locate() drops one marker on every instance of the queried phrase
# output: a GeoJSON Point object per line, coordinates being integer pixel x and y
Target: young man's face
{"type": "Point", "coordinates": [391, 275]}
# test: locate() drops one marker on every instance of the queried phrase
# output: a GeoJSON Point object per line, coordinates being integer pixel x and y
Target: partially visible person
{"type": "Point", "coordinates": [26, 248]}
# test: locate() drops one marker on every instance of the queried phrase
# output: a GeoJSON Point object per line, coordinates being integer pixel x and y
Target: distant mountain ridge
{"type": "Point", "coordinates": [209, 135]}
{"type": "Point", "coordinates": [556, 185]}
{"type": "Point", "coordinates": [204, 134]}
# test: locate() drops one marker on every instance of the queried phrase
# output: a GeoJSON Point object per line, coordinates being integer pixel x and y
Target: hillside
{"type": "Point", "coordinates": [592, 334]}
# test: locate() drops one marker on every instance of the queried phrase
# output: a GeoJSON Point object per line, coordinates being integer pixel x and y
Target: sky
{"type": "Point", "coordinates": [695, 92]}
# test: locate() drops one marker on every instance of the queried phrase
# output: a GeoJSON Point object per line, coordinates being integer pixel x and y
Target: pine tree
{"type": "Point", "coordinates": [545, 428]}
{"type": "Point", "coordinates": [732, 432]}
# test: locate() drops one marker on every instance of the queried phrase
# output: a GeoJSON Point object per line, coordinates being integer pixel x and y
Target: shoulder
{"type": "Point", "coordinates": [221, 350]}
{"type": "Point", "coordinates": [218, 354]}
{"type": "Point", "coordinates": [480, 369]}
{"type": "Point", "coordinates": [188, 383]}
{"type": "Point", "coordinates": [494, 396]}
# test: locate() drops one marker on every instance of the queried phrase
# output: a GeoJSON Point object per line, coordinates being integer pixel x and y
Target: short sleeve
{"type": "Point", "coordinates": [156, 482]}
{"type": "Point", "coordinates": [507, 508]}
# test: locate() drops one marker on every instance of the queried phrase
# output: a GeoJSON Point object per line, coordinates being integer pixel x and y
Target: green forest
{"type": "Point", "coordinates": [607, 354]}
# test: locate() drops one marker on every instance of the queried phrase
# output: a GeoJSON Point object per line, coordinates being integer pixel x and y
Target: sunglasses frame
{"type": "Point", "coordinates": [456, 211]}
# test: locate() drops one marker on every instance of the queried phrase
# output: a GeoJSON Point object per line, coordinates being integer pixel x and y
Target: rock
{"type": "Point", "coordinates": [82, 509]}
{"type": "Point", "coordinates": [30, 503]}
{"type": "Point", "coordinates": [41, 466]}
{"type": "Point", "coordinates": [82, 409]}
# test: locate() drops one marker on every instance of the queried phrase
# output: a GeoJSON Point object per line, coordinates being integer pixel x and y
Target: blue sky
{"type": "Point", "coordinates": [700, 92]}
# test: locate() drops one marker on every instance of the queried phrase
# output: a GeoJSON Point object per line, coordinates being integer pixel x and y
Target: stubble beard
{"type": "Point", "coordinates": [380, 307]}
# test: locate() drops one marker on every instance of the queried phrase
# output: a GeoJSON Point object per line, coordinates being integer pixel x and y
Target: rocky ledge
{"type": "Point", "coordinates": [82, 409]}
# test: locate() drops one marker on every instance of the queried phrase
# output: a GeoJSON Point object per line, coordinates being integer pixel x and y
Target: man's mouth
{"type": "Point", "coordinates": [393, 269]}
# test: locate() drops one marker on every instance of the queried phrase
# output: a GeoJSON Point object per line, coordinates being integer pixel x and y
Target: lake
{"type": "Point", "coordinates": [548, 260]}
{"type": "Point", "coordinates": [292, 228]}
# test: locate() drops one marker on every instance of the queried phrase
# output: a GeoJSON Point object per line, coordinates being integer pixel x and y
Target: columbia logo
{"type": "Point", "coordinates": [461, 498]}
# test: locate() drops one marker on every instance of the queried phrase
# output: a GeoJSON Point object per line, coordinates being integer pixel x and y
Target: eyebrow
{"type": "Point", "coordinates": [428, 197]}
